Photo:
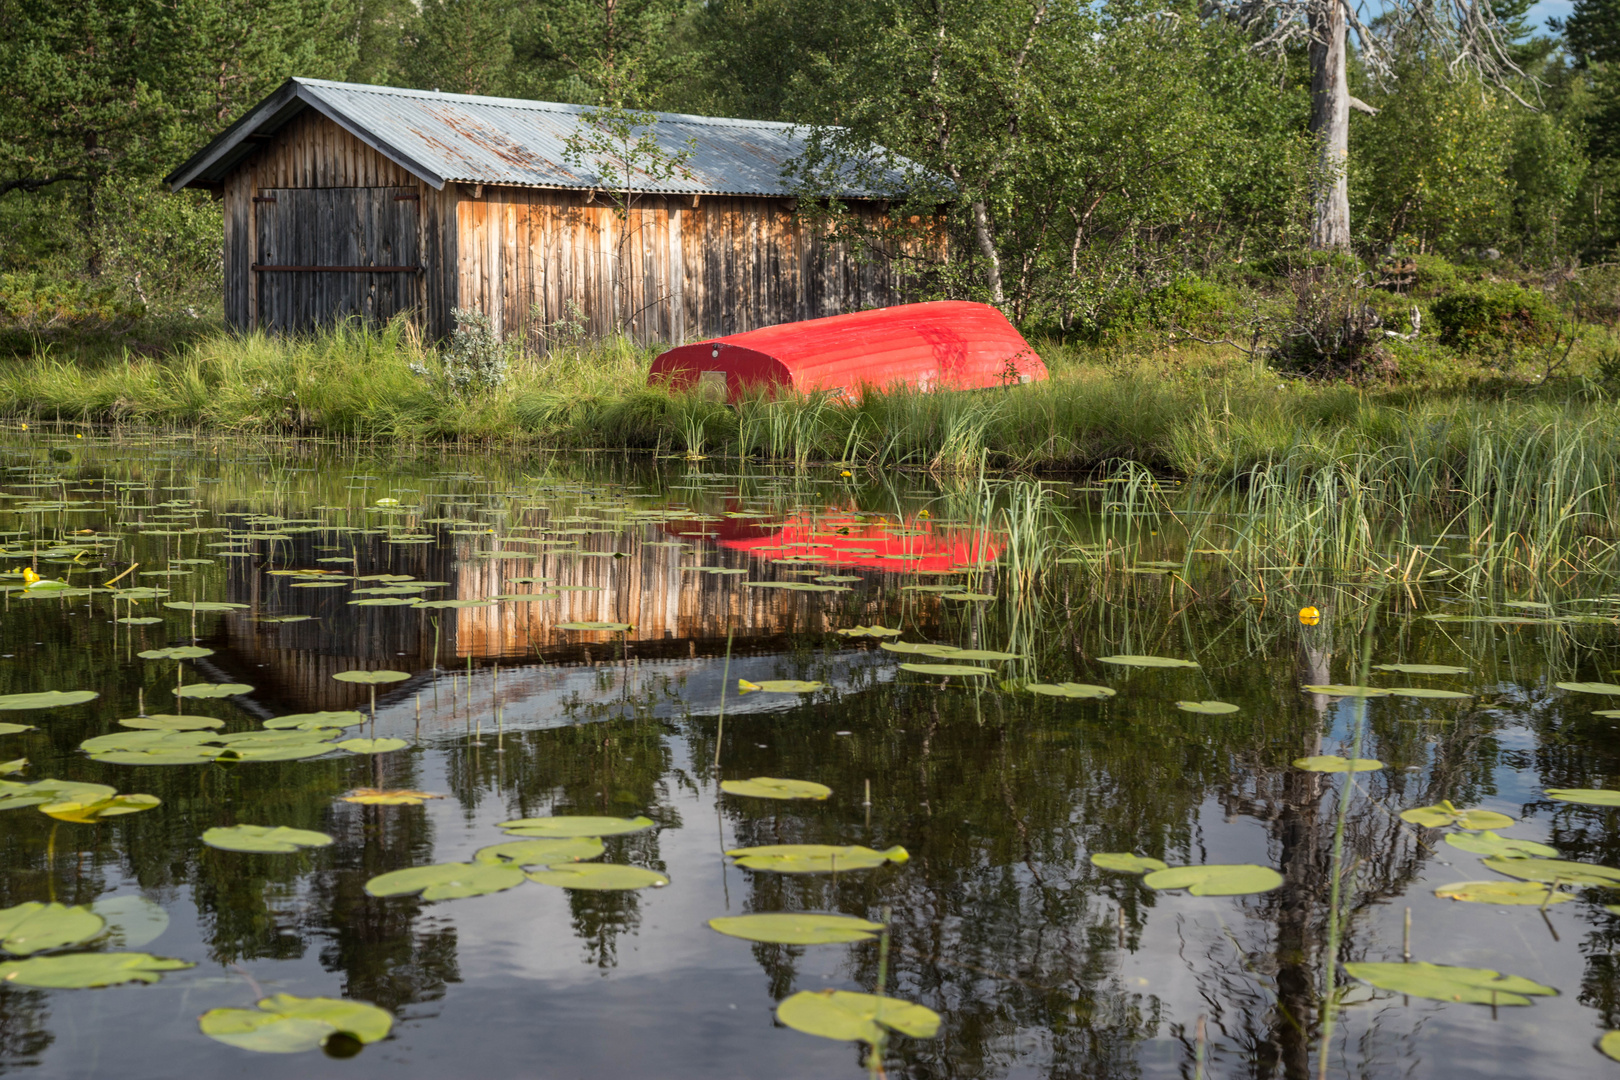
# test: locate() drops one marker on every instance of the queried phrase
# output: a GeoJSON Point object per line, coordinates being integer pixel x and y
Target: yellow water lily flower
{"type": "Point", "coordinates": [1309, 616]}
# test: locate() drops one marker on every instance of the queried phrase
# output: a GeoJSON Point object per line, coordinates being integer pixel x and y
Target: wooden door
{"type": "Point", "coordinates": [330, 254]}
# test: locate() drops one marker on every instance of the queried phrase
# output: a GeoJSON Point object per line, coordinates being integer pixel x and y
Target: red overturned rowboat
{"type": "Point", "coordinates": [946, 344]}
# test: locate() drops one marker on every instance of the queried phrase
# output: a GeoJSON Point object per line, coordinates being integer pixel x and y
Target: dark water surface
{"type": "Point", "coordinates": [1039, 963]}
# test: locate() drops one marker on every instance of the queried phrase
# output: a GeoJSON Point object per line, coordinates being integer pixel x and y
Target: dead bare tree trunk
{"type": "Point", "coordinates": [1330, 124]}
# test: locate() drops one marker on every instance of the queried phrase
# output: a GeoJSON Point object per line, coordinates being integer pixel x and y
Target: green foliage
{"type": "Point", "coordinates": [1494, 313]}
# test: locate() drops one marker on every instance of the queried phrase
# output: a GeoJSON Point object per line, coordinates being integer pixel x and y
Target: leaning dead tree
{"type": "Point", "coordinates": [1466, 32]}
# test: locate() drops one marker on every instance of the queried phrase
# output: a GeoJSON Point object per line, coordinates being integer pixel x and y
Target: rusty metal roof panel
{"type": "Point", "coordinates": [446, 138]}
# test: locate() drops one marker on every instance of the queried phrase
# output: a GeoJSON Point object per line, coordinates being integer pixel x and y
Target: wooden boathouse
{"type": "Point", "coordinates": [343, 201]}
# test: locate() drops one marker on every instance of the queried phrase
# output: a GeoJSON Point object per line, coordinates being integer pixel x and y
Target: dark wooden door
{"type": "Point", "coordinates": [318, 253]}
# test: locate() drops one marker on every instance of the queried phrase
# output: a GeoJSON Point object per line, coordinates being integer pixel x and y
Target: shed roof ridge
{"type": "Point", "coordinates": [537, 105]}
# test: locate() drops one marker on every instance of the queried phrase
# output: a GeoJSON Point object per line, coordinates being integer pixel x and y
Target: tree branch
{"type": "Point", "coordinates": [36, 184]}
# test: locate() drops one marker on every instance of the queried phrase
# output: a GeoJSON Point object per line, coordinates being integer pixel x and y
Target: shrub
{"type": "Point", "coordinates": [1493, 314]}
{"type": "Point", "coordinates": [476, 358]}
{"type": "Point", "coordinates": [1333, 332]}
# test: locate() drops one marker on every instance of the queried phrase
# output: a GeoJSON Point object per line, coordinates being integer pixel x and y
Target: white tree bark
{"type": "Point", "coordinates": [1330, 124]}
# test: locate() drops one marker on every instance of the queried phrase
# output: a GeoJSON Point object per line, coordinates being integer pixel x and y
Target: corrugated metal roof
{"type": "Point", "coordinates": [447, 138]}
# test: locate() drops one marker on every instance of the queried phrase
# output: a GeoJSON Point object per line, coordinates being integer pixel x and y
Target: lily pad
{"type": "Point", "coordinates": [372, 746]}
{"type": "Point", "coordinates": [213, 690]}
{"type": "Point", "coordinates": [1585, 796]}
{"type": "Point", "coordinates": [264, 839]}
{"type": "Point", "coordinates": [284, 1024]}
{"type": "Point", "coordinates": [1564, 871]}
{"type": "Point", "coordinates": [1590, 687]}
{"type": "Point", "coordinates": [814, 858]}
{"type": "Point", "coordinates": [371, 678]}
{"type": "Point", "coordinates": [844, 1015]}
{"type": "Point", "coordinates": [1333, 763]}
{"type": "Point", "coordinates": [917, 648]}
{"type": "Point", "coordinates": [12, 729]}
{"type": "Point", "coordinates": [873, 631]}
{"type": "Point", "coordinates": [316, 721]}
{"type": "Point", "coordinates": [1443, 814]}
{"type": "Point", "coordinates": [166, 722]}
{"type": "Point", "coordinates": [203, 606]}
{"type": "Point", "coordinates": [132, 920]}
{"type": "Point", "coordinates": [1342, 690]}
{"type": "Point", "coordinates": [945, 670]}
{"type": "Point", "coordinates": [1070, 690]}
{"type": "Point", "coordinates": [1208, 708]}
{"type": "Point", "coordinates": [1426, 692]}
{"type": "Point", "coordinates": [1217, 880]}
{"type": "Point", "coordinates": [604, 877]}
{"type": "Point", "coordinates": [609, 626]}
{"type": "Point", "coordinates": [779, 686]}
{"type": "Point", "coordinates": [447, 881]}
{"type": "Point", "coordinates": [80, 971]}
{"type": "Point", "coordinates": [1422, 669]}
{"type": "Point", "coordinates": [564, 827]}
{"type": "Point", "coordinates": [541, 852]}
{"type": "Point", "coordinates": [1442, 982]}
{"type": "Point", "coordinates": [46, 699]}
{"type": "Point", "coordinates": [1508, 893]}
{"type": "Point", "coordinates": [388, 797]}
{"type": "Point", "coordinates": [90, 811]}
{"type": "Point", "coordinates": [34, 927]}
{"type": "Point", "coordinates": [1488, 843]}
{"type": "Point", "coordinates": [178, 652]}
{"type": "Point", "coordinates": [1126, 863]}
{"type": "Point", "coordinates": [770, 787]}
{"type": "Point", "coordinates": [797, 928]}
{"type": "Point", "coordinates": [1148, 661]}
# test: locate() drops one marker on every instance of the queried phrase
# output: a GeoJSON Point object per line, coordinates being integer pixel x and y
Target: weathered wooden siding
{"type": "Point", "coordinates": [667, 271]}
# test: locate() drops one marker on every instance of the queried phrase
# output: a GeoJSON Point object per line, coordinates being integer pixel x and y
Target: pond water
{"type": "Point", "coordinates": [1037, 961]}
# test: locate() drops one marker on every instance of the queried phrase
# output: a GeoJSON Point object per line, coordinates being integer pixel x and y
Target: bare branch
{"type": "Point", "coordinates": [36, 183]}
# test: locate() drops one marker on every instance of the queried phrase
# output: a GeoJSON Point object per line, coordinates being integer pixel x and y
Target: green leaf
{"type": "Point", "coordinates": [1209, 708]}
{"type": "Point", "coordinates": [132, 920]}
{"type": "Point", "coordinates": [79, 971]}
{"type": "Point", "coordinates": [562, 827]}
{"type": "Point", "coordinates": [797, 928]}
{"type": "Point", "coordinates": [915, 648]}
{"type": "Point", "coordinates": [873, 631]}
{"type": "Point", "coordinates": [541, 852]}
{"type": "Point", "coordinates": [1590, 687]}
{"type": "Point", "coordinates": [1584, 796]}
{"type": "Point", "coordinates": [1610, 1045]}
{"type": "Point", "coordinates": [608, 626]}
{"type": "Point", "coordinates": [180, 755]}
{"type": "Point", "coordinates": [779, 686]}
{"type": "Point", "coordinates": [1443, 814]}
{"type": "Point", "coordinates": [770, 787]}
{"type": "Point", "coordinates": [264, 839]}
{"type": "Point", "coordinates": [1441, 982]}
{"type": "Point", "coordinates": [1217, 880]}
{"type": "Point", "coordinates": [976, 597]}
{"type": "Point", "coordinates": [1148, 661]}
{"type": "Point", "coordinates": [1488, 843]}
{"type": "Point", "coordinates": [1126, 863]}
{"type": "Point", "coordinates": [1422, 669]}
{"type": "Point", "coordinates": [1070, 690]}
{"type": "Point", "coordinates": [1333, 763]}
{"type": "Point", "coordinates": [814, 858]}
{"type": "Point", "coordinates": [203, 606]}
{"type": "Point", "coordinates": [1560, 870]}
{"type": "Point", "coordinates": [371, 678]}
{"type": "Point", "coordinates": [34, 927]}
{"type": "Point", "coordinates": [605, 877]}
{"type": "Point", "coordinates": [47, 699]}
{"type": "Point", "coordinates": [1508, 893]}
{"type": "Point", "coordinates": [946, 669]}
{"type": "Point", "coordinates": [447, 881]}
{"type": "Point", "coordinates": [12, 729]}
{"type": "Point", "coordinates": [167, 722]}
{"type": "Point", "coordinates": [372, 746]}
{"type": "Point", "coordinates": [1425, 692]}
{"type": "Point", "coordinates": [1341, 690]}
{"type": "Point", "coordinates": [316, 721]}
{"type": "Point", "coordinates": [980, 655]}
{"type": "Point", "coordinates": [178, 652]}
{"type": "Point", "coordinates": [213, 690]}
{"type": "Point", "coordinates": [847, 1016]}
{"type": "Point", "coordinates": [90, 811]}
{"type": "Point", "coordinates": [284, 1024]}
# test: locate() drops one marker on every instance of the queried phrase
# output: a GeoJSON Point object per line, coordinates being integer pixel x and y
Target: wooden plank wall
{"type": "Point", "coordinates": [668, 271]}
{"type": "Point", "coordinates": [313, 152]}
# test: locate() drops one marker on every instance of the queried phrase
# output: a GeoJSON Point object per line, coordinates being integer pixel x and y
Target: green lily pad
{"type": "Point", "coordinates": [166, 722]}
{"type": "Point", "coordinates": [918, 648]}
{"type": "Point", "coordinates": [384, 601]}
{"type": "Point", "coordinates": [264, 839]}
{"type": "Point", "coordinates": [797, 928]}
{"type": "Point", "coordinates": [980, 655]}
{"type": "Point", "coordinates": [372, 746]}
{"type": "Point", "coordinates": [180, 755]}
{"type": "Point", "coordinates": [178, 652]}
{"type": "Point", "coordinates": [847, 1016]}
{"type": "Point", "coordinates": [141, 620]}
{"type": "Point", "coordinates": [34, 927]}
{"type": "Point", "coordinates": [213, 690]}
{"type": "Point", "coordinates": [1508, 893]}
{"type": "Point", "coordinates": [770, 787]}
{"type": "Point", "coordinates": [873, 631]}
{"type": "Point", "coordinates": [541, 852]}
{"type": "Point", "coordinates": [1585, 796]}
{"type": "Point", "coordinates": [12, 729]}
{"type": "Point", "coordinates": [1070, 690]}
{"type": "Point", "coordinates": [80, 971]}
{"type": "Point", "coordinates": [1590, 687]}
{"type": "Point", "coordinates": [1148, 661]}
{"type": "Point", "coordinates": [1217, 880]}
{"type": "Point", "coordinates": [447, 881]}
{"type": "Point", "coordinates": [284, 1024]}
{"type": "Point", "coordinates": [1441, 982]}
{"type": "Point", "coordinates": [203, 606]}
{"type": "Point", "coordinates": [1208, 708]}
{"type": "Point", "coordinates": [1443, 814]}
{"type": "Point", "coordinates": [90, 811]}
{"type": "Point", "coordinates": [1126, 863]}
{"type": "Point", "coordinates": [1564, 871]}
{"type": "Point", "coordinates": [946, 669]}
{"type": "Point", "coordinates": [977, 597]}
{"type": "Point", "coordinates": [779, 686]}
{"type": "Point", "coordinates": [132, 920]}
{"type": "Point", "coordinates": [1425, 692]}
{"type": "Point", "coordinates": [604, 877]}
{"type": "Point", "coordinates": [146, 740]}
{"type": "Point", "coordinates": [371, 678]}
{"type": "Point", "coordinates": [1333, 763]}
{"type": "Point", "coordinates": [563, 827]}
{"type": "Point", "coordinates": [611, 626]}
{"type": "Point", "coordinates": [316, 721]}
{"type": "Point", "coordinates": [1422, 669]}
{"type": "Point", "coordinates": [814, 858]}
{"type": "Point", "coordinates": [1341, 690]}
{"type": "Point", "coordinates": [47, 699]}
{"type": "Point", "coordinates": [1488, 843]}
